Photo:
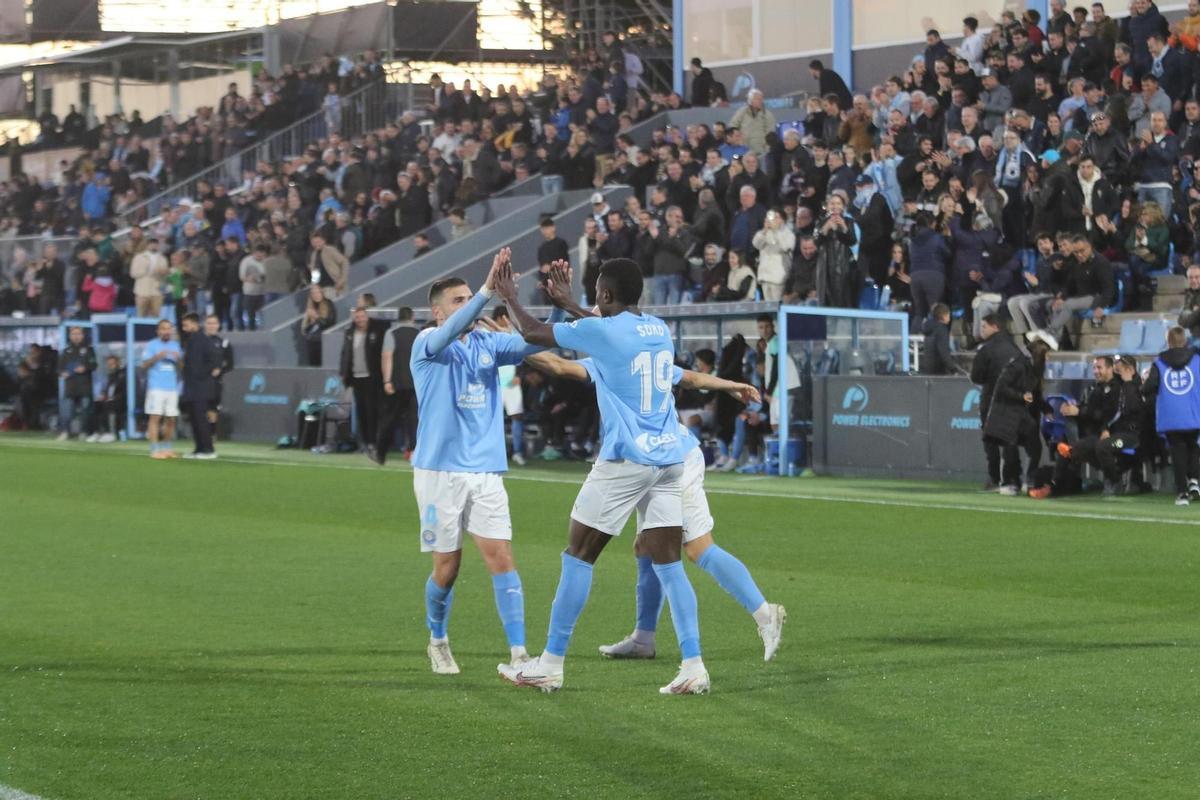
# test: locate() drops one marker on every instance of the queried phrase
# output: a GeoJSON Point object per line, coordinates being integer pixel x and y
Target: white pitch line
{"type": "Point", "coordinates": [742, 492]}
{"type": "Point", "coordinates": [9, 793]}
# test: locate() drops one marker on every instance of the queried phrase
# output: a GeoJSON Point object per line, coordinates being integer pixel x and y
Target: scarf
{"type": "Point", "coordinates": [1087, 187]}
{"type": "Point", "coordinates": [862, 197]}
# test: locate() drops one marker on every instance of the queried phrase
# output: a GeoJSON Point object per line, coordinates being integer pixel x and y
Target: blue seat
{"type": "Point", "coordinates": [868, 298]}
{"type": "Point", "coordinates": [1133, 335]}
{"type": "Point", "coordinates": [1155, 339]}
{"type": "Point", "coordinates": [1116, 307]}
{"type": "Point", "coordinates": [794, 125]}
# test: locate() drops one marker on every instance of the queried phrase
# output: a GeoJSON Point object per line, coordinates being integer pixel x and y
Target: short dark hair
{"type": "Point", "coordinates": [939, 310]}
{"type": "Point", "coordinates": [547, 222]}
{"type": "Point", "coordinates": [971, 22]}
{"type": "Point", "coordinates": [765, 318]}
{"type": "Point", "coordinates": [624, 278]}
{"type": "Point", "coordinates": [435, 291]}
{"type": "Point", "coordinates": [992, 319]}
{"type": "Point", "coordinates": [707, 356]}
{"type": "Point", "coordinates": [191, 316]}
{"type": "Point", "coordinates": [404, 314]}
{"type": "Point", "coordinates": [1108, 360]}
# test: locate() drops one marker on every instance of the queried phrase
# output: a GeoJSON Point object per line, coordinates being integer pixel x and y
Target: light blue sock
{"type": "Point", "coordinates": [574, 585]}
{"type": "Point", "coordinates": [510, 602]}
{"type": "Point", "coordinates": [649, 595]}
{"type": "Point", "coordinates": [437, 608]}
{"type": "Point", "coordinates": [722, 448]}
{"type": "Point", "coordinates": [739, 438]}
{"type": "Point", "coordinates": [684, 613]}
{"type": "Point", "coordinates": [733, 577]}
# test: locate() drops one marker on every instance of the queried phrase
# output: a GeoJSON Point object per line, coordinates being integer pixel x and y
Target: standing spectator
{"type": "Point", "coordinates": [253, 275]}
{"type": "Point", "coordinates": [936, 356]}
{"type": "Point", "coordinates": [319, 315]}
{"type": "Point", "coordinates": [362, 371]}
{"type": "Point", "coordinates": [747, 221]}
{"type": "Point", "coordinates": [201, 368]}
{"type": "Point", "coordinates": [233, 227]}
{"type": "Point", "coordinates": [52, 272]}
{"type": "Point", "coordinates": [1154, 161]}
{"type": "Point", "coordinates": [149, 271]}
{"type": "Point", "coordinates": [755, 121]}
{"type": "Point", "coordinates": [399, 392]}
{"type": "Point", "coordinates": [76, 365]}
{"type": "Point", "coordinates": [774, 243]}
{"type": "Point", "coordinates": [327, 267]}
{"type": "Point", "coordinates": [332, 108]}
{"type": "Point", "coordinates": [829, 82]}
{"type": "Point", "coordinates": [929, 259]}
{"type": "Point", "coordinates": [1173, 386]}
{"type": "Point", "coordinates": [95, 198]}
{"type": "Point", "coordinates": [875, 224]}
{"type": "Point", "coordinates": [553, 248]}
{"type": "Point", "coordinates": [1189, 317]}
{"type": "Point", "coordinates": [702, 83]}
{"type": "Point", "coordinates": [161, 359]}
{"type": "Point", "coordinates": [673, 244]}
{"type": "Point", "coordinates": [835, 237]}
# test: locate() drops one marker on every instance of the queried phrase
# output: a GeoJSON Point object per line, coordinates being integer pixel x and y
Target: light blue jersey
{"type": "Point", "coordinates": [633, 366]}
{"type": "Point", "coordinates": [164, 375]}
{"type": "Point", "coordinates": [460, 421]}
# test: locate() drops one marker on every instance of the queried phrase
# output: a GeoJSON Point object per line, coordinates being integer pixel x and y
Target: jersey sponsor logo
{"type": "Point", "coordinates": [485, 360]}
{"type": "Point", "coordinates": [474, 397]}
{"type": "Point", "coordinates": [648, 441]}
{"type": "Point", "coordinates": [1179, 381]}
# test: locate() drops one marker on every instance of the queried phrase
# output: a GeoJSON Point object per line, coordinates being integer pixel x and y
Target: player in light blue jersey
{"type": "Point", "coordinates": [162, 358]}
{"type": "Point", "coordinates": [639, 466]}
{"type": "Point", "coordinates": [460, 456]}
{"type": "Point", "coordinates": [698, 543]}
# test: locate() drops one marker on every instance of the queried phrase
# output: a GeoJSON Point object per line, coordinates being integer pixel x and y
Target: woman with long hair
{"type": "Point", "coordinates": [319, 314]}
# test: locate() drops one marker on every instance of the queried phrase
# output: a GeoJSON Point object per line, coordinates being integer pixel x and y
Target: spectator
{"type": "Point", "coordinates": [774, 243]}
{"type": "Point", "coordinates": [1089, 287]}
{"type": "Point", "coordinates": [253, 273]}
{"type": "Point", "coordinates": [754, 121]}
{"type": "Point", "coordinates": [319, 315]}
{"type": "Point", "coordinates": [327, 267]}
{"type": "Point", "coordinates": [1189, 317]}
{"type": "Point", "coordinates": [1148, 246]}
{"type": "Point", "coordinates": [702, 83]}
{"type": "Point", "coordinates": [747, 221]}
{"type": "Point", "coordinates": [875, 222]}
{"type": "Point", "coordinates": [929, 258]}
{"type": "Point", "coordinates": [673, 242]}
{"type": "Point", "coordinates": [1153, 161]}
{"type": "Point", "coordinates": [936, 356]}
{"type": "Point", "coordinates": [149, 271]}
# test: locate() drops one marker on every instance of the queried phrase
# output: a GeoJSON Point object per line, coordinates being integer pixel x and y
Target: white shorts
{"type": "Point", "coordinates": [705, 414]}
{"type": "Point", "coordinates": [453, 502]}
{"type": "Point", "coordinates": [162, 403]}
{"type": "Point", "coordinates": [697, 519]}
{"type": "Point", "coordinates": [615, 489]}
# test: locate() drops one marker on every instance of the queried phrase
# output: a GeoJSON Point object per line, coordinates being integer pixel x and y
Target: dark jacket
{"type": "Point", "coordinates": [1094, 277]}
{"type": "Point", "coordinates": [200, 358]}
{"type": "Point", "coordinates": [671, 252]}
{"type": "Point", "coordinates": [374, 354]}
{"type": "Point", "coordinates": [936, 358]}
{"type": "Point", "coordinates": [991, 358]}
{"type": "Point", "coordinates": [1155, 162]}
{"type": "Point", "coordinates": [403, 336]}
{"type": "Point", "coordinates": [1008, 412]}
{"type": "Point", "coordinates": [1099, 407]}
{"type": "Point", "coordinates": [75, 384]}
{"type": "Point", "coordinates": [928, 252]}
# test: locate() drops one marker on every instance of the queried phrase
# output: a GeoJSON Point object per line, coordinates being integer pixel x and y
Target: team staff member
{"type": "Point", "coordinates": [1173, 386]}
{"type": "Point", "coordinates": [212, 329]}
{"type": "Point", "coordinates": [993, 356]}
{"type": "Point", "coordinates": [362, 353]}
{"type": "Point", "coordinates": [201, 369]}
{"type": "Point", "coordinates": [399, 393]}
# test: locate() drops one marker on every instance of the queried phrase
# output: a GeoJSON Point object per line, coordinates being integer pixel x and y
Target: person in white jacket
{"type": "Point", "coordinates": [774, 243]}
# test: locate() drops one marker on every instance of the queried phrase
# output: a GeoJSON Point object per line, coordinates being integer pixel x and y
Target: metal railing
{"type": "Point", "coordinates": [365, 109]}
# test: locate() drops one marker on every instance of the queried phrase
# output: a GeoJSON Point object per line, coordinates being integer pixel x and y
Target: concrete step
{"type": "Point", "coordinates": [1172, 284]}
{"type": "Point", "coordinates": [1168, 302]}
{"type": "Point", "coordinates": [1116, 319]}
{"type": "Point", "coordinates": [1088, 341]}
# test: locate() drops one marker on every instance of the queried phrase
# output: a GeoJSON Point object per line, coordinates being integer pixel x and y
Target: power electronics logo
{"type": "Point", "coordinates": [970, 408]}
{"type": "Point", "coordinates": [854, 404]}
{"type": "Point", "coordinates": [256, 393]}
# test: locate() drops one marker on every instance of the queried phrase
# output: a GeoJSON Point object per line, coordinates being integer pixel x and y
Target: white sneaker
{"type": "Point", "coordinates": [439, 656]}
{"type": "Point", "coordinates": [92, 438]}
{"type": "Point", "coordinates": [106, 438]}
{"type": "Point", "coordinates": [206, 456]}
{"type": "Point", "coordinates": [62, 437]}
{"type": "Point", "coordinates": [729, 466]}
{"type": "Point", "coordinates": [518, 459]}
{"type": "Point", "coordinates": [718, 462]}
{"type": "Point", "coordinates": [1009, 491]}
{"type": "Point", "coordinates": [532, 673]}
{"type": "Point", "coordinates": [190, 456]}
{"type": "Point", "coordinates": [628, 648]}
{"type": "Point", "coordinates": [772, 632]}
{"type": "Point", "coordinates": [690, 680]}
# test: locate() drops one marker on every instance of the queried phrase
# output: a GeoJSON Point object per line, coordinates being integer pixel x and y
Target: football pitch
{"type": "Point", "coordinates": [254, 628]}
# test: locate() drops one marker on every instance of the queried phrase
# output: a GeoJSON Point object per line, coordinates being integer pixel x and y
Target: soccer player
{"type": "Point", "coordinates": [161, 358]}
{"type": "Point", "coordinates": [728, 571]}
{"type": "Point", "coordinates": [461, 455]}
{"type": "Point", "coordinates": [639, 466]}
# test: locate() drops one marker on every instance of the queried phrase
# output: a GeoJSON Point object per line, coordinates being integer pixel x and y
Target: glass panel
{"type": "Point", "coordinates": [719, 30]}
{"type": "Point", "coordinates": [879, 21]}
{"type": "Point", "coordinates": [788, 26]}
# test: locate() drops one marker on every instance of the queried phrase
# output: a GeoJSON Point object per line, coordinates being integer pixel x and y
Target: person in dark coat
{"type": "Point", "coordinates": [936, 358]}
{"type": "Point", "coordinates": [399, 391]}
{"type": "Point", "coordinates": [201, 368]}
{"type": "Point", "coordinates": [702, 83]}
{"type": "Point", "coordinates": [928, 257]}
{"type": "Point", "coordinates": [996, 352]}
{"type": "Point", "coordinates": [829, 82]}
{"type": "Point", "coordinates": [835, 236]}
{"type": "Point", "coordinates": [362, 370]}
{"type": "Point", "coordinates": [875, 224]}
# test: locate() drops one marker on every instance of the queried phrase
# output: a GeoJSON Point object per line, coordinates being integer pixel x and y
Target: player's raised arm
{"type": "Point", "coordinates": [558, 287]}
{"type": "Point", "coordinates": [558, 366]}
{"type": "Point", "coordinates": [533, 330]}
{"type": "Point", "coordinates": [743, 392]}
{"type": "Point", "coordinates": [463, 318]}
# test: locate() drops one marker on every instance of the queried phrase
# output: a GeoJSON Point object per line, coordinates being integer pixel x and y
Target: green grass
{"type": "Point", "coordinates": [253, 628]}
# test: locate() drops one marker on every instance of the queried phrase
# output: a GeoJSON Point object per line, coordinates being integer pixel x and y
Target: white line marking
{"type": "Point", "coordinates": [9, 793]}
{"type": "Point", "coordinates": [742, 492]}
